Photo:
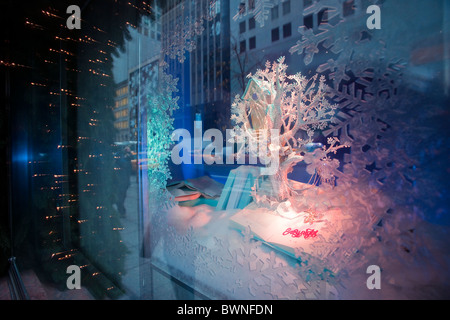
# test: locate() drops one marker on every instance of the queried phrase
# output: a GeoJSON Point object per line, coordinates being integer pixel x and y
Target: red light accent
{"type": "Point", "coordinates": [297, 234]}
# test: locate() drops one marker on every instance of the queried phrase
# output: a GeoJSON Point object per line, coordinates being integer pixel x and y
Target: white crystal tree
{"type": "Point", "coordinates": [296, 107]}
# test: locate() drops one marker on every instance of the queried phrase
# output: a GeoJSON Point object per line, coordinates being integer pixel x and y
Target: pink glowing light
{"type": "Point", "coordinates": [297, 234]}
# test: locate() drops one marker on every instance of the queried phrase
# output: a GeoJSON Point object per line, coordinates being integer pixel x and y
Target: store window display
{"type": "Point", "coordinates": [229, 149]}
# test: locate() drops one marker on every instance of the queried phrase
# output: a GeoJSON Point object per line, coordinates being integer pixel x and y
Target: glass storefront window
{"type": "Point", "coordinates": [232, 149]}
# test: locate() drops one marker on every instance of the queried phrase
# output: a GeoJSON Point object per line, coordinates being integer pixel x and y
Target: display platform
{"type": "Point", "coordinates": [293, 236]}
{"type": "Point", "coordinates": [247, 253]}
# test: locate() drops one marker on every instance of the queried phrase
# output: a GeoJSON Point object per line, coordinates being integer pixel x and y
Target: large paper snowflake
{"type": "Point", "coordinates": [379, 176]}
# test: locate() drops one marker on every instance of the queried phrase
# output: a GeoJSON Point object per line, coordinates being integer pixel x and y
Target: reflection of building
{"type": "Point", "coordinates": [202, 35]}
{"type": "Point", "coordinates": [175, 18]}
{"type": "Point", "coordinates": [134, 65]}
{"type": "Point", "coordinates": [210, 76]}
{"type": "Point", "coordinates": [142, 83]}
{"type": "Point", "coordinates": [252, 43]}
{"type": "Point", "coordinates": [121, 112]}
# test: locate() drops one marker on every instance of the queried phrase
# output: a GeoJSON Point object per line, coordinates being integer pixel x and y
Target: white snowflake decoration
{"type": "Point", "coordinates": [294, 106]}
{"type": "Point", "coordinates": [183, 37]}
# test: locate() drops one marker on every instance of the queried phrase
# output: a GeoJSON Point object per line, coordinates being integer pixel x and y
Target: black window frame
{"type": "Point", "coordinates": [242, 46]}
{"type": "Point", "coordinates": [242, 27]}
{"type": "Point", "coordinates": [251, 23]}
{"type": "Point", "coordinates": [286, 7]}
{"type": "Point", "coordinates": [287, 30]}
{"type": "Point", "coordinates": [252, 43]}
{"type": "Point", "coordinates": [275, 34]}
